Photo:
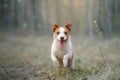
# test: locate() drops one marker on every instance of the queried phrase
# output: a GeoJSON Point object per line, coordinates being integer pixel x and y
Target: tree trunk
{"type": "Point", "coordinates": [90, 20]}
{"type": "Point", "coordinates": [109, 15]}
{"type": "Point", "coordinates": [57, 11]}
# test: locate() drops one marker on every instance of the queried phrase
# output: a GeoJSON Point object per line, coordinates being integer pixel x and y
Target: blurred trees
{"type": "Point", "coordinates": [104, 14]}
{"type": "Point", "coordinates": [89, 17]}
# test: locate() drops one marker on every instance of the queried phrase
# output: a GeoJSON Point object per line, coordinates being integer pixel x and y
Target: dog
{"type": "Point", "coordinates": [61, 49]}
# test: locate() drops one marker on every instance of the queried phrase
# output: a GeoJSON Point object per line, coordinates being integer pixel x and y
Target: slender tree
{"type": "Point", "coordinates": [90, 20]}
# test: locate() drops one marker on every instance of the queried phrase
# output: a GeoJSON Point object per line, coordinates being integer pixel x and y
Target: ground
{"type": "Point", "coordinates": [26, 57]}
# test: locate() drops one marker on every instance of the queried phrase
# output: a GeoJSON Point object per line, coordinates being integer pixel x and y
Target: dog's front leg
{"type": "Point", "coordinates": [55, 61]}
{"type": "Point", "coordinates": [65, 60]}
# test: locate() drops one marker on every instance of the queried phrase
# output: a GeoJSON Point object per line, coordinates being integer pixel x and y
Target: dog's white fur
{"type": "Point", "coordinates": [63, 52]}
{"type": "Point", "coordinates": [61, 34]}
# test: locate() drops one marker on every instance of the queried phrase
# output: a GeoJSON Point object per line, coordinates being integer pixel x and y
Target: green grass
{"type": "Point", "coordinates": [28, 58]}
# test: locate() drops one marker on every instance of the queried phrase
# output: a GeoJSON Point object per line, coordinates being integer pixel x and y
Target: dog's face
{"type": "Point", "coordinates": [61, 33]}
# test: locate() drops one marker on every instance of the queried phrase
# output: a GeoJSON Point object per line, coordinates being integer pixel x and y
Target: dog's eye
{"type": "Point", "coordinates": [65, 33]}
{"type": "Point", "coordinates": [57, 32]}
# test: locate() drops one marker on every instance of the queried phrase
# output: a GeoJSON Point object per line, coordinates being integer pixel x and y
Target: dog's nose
{"type": "Point", "coordinates": [62, 38]}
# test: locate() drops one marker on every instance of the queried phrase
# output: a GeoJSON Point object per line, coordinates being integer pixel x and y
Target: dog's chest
{"type": "Point", "coordinates": [57, 50]}
{"type": "Point", "coordinates": [61, 52]}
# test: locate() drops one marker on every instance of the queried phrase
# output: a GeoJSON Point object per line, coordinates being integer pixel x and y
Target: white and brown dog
{"type": "Point", "coordinates": [61, 49]}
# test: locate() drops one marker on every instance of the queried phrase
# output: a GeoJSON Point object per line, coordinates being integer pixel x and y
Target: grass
{"type": "Point", "coordinates": [28, 58]}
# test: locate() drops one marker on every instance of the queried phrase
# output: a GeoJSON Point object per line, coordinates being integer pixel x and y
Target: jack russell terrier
{"type": "Point", "coordinates": [61, 49]}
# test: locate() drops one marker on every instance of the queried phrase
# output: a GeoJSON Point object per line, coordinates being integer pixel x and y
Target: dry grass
{"type": "Point", "coordinates": [28, 58]}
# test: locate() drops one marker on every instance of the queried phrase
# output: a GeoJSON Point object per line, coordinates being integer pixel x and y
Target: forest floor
{"type": "Point", "coordinates": [28, 58]}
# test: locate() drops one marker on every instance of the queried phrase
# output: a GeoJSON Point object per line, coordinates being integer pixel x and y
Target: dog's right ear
{"type": "Point", "coordinates": [54, 26]}
{"type": "Point", "coordinates": [69, 26]}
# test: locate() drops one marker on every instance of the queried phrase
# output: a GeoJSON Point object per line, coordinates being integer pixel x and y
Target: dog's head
{"type": "Point", "coordinates": [61, 34]}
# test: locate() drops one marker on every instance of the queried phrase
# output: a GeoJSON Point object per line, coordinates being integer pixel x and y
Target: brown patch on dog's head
{"type": "Point", "coordinates": [54, 26]}
{"type": "Point", "coordinates": [69, 26]}
{"type": "Point", "coordinates": [57, 31]}
{"type": "Point", "coordinates": [67, 32]}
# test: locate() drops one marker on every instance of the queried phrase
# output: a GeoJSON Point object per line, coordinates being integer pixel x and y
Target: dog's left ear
{"type": "Point", "coordinates": [69, 26]}
{"type": "Point", "coordinates": [54, 26]}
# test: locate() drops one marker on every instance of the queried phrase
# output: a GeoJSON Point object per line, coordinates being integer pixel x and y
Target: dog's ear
{"type": "Point", "coordinates": [54, 26]}
{"type": "Point", "coordinates": [69, 26]}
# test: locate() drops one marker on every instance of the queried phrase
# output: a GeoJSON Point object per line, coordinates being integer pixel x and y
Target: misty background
{"type": "Point", "coordinates": [26, 38]}
{"type": "Point", "coordinates": [89, 17]}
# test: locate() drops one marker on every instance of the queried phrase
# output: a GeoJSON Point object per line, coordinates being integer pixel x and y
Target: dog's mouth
{"type": "Point", "coordinates": [62, 42]}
